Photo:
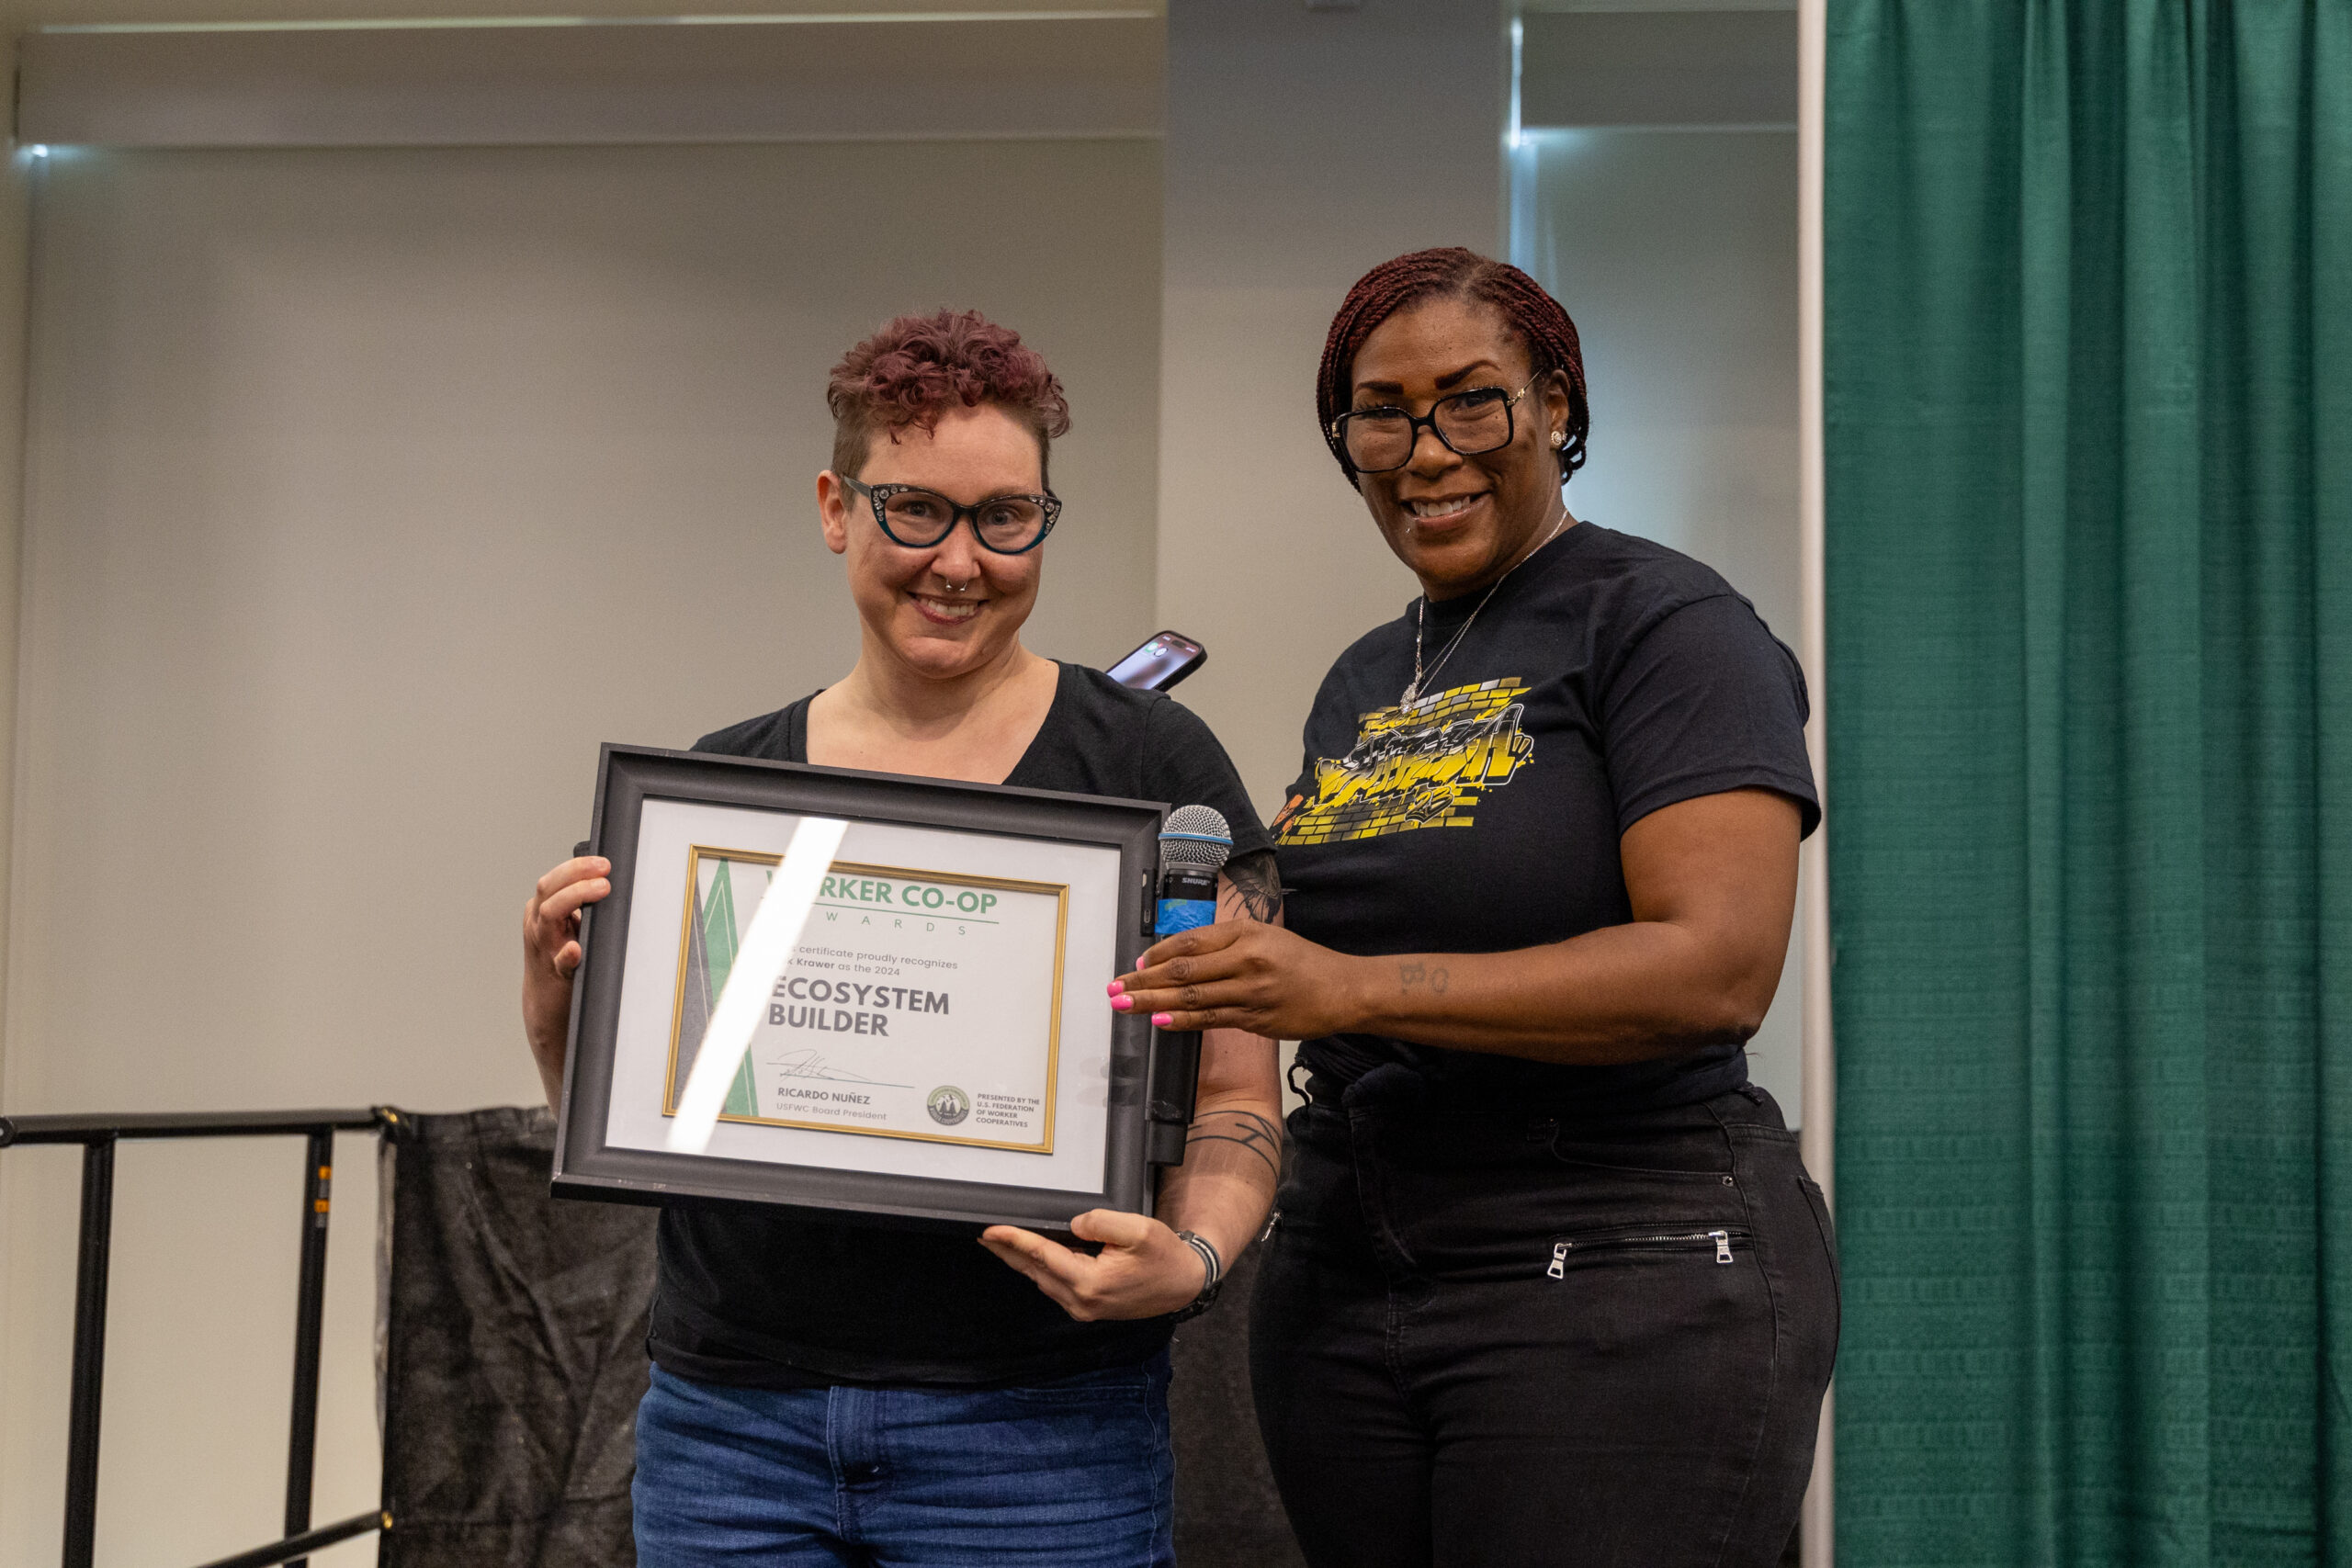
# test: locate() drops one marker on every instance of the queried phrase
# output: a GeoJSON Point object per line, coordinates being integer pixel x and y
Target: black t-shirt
{"type": "Point", "coordinates": [753, 1296]}
{"type": "Point", "coordinates": [1607, 677]}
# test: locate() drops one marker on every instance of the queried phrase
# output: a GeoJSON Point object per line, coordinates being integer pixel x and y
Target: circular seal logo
{"type": "Point", "coordinates": [948, 1105]}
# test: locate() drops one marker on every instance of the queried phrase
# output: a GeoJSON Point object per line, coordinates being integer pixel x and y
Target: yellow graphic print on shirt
{"type": "Point", "coordinates": [1423, 764]}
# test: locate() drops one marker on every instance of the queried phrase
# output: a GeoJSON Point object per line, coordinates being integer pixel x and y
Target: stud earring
{"type": "Point", "coordinates": [1559, 439]}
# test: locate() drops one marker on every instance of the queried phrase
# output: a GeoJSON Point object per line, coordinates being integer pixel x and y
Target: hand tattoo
{"type": "Point", "coordinates": [1411, 974]}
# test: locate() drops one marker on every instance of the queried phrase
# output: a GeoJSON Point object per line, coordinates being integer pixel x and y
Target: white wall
{"type": "Point", "coordinates": [1303, 148]}
{"type": "Point", "coordinates": [25, 14]}
{"type": "Point", "coordinates": [814, 78]}
{"type": "Point", "coordinates": [368, 492]}
{"type": "Point", "coordinates": [14, 190]}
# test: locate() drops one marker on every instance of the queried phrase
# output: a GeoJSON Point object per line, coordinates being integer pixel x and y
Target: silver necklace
{"type": "Point", "coordinates": [1421, 620]}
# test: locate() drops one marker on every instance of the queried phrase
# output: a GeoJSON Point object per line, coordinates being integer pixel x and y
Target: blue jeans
{"type": "Point", "coordinates": [1076, 1473]}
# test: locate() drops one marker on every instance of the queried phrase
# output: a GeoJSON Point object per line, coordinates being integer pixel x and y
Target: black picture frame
{"type": "Point", "coordinates": [587, 1167]}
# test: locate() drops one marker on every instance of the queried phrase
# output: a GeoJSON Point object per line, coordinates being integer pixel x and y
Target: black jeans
{"type": "Point", "coordinates": [1512, 1341]}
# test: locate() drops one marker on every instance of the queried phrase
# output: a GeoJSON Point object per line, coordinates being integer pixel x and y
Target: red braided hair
{"type": "Point", "coordinates": [1451, 272]}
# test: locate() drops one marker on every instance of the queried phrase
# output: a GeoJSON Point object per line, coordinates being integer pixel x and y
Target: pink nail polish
{"type": "Point", "coordinates": [1116, 987]}
{"type": "Point", "coordinates": [1162, 1020]}
{"type": "Point", "coordinates": [1123, 1004]}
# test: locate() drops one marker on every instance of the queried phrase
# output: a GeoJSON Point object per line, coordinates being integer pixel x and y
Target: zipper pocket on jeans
{"type": "Point", "coordinates": [1643, 1239]}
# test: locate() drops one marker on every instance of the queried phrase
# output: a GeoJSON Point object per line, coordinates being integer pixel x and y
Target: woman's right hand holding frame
{"type": "Point", "coordinates": [551, 953]}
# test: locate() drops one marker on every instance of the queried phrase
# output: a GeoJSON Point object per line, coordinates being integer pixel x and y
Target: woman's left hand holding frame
{"type": "Point", "coordinates": [1221, 1192]}
{"type": "Point", "coordinates": [1142, 1270]}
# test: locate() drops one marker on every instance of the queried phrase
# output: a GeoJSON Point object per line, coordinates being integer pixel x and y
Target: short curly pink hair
{"type": "Point", "coordinates": [914, 369]}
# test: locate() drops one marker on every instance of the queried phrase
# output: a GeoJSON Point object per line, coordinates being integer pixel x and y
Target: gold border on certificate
{"type": "Point", "coordinates": [1059, 892]}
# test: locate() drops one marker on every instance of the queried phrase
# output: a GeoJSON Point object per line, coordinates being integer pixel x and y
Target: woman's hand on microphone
{"type": "Point", "coordinates": [1143, 1270]}
{"type": "Point", "coordinates": [1240, 974]}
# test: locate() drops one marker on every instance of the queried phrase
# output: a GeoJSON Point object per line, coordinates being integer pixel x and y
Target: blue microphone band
{"type": "Point", "coordinates": [1183, 914]}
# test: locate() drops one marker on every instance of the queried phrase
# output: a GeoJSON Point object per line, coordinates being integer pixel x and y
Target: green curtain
{"type": "Point", "coordinates": [2089, 342]}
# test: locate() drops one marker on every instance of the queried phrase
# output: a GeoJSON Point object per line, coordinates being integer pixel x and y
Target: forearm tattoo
{"type": "Point", "coordinates": [1412, 975]}
{"type": "Point", "coordinates": [1244, 1129]}
{"type": "Point", "coordinates": [1258, 883]}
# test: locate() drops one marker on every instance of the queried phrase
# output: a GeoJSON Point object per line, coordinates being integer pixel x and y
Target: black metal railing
{"type": "Point", "coordinates": [98, 1136]}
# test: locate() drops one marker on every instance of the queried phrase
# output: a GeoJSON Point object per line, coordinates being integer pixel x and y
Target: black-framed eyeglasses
{"type": "Point", "coordinates": [920, 518]}
{"type": "Point", "coordinates": [1377, 440]}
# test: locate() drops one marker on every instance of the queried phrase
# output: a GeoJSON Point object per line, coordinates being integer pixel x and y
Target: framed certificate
{"type": "Point", "coordinates": [932, 1047]}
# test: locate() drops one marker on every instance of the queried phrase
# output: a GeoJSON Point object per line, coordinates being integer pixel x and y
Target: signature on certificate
{"type": "Point", "coordinates": [811, 1064]}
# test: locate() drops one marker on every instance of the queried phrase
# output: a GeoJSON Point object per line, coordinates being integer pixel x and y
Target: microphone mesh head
{"type": "Point", "coordinates": [1195, 837]}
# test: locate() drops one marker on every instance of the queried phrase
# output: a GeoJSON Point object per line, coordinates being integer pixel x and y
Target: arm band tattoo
{"type": "Point", "coordinates": [1247, 1128]}
{"type": "Point", "coordinates": [1258, 883]}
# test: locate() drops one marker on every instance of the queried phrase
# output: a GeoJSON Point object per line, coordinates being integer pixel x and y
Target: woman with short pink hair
{"type": "Point", "coordinates": [824, 1391]}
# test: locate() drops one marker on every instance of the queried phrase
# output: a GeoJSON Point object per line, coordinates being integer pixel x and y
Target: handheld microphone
{"type": "Point", "coordinates": [1194, 844]}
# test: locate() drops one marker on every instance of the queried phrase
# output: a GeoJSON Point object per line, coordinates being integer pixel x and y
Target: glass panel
{"type": "Point", "coordinates": [1675, 251]}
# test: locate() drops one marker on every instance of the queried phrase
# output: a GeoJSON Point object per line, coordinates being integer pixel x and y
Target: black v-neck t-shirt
{"type": "Point", "coordinates": [1607, 677]}
{"type": "Point", "coordinates": [755, 1297]}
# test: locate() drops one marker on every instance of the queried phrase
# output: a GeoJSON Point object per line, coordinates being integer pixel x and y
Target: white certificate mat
{"type": "Point", "coordinates": [920, 1004]}
{"type": "Point", "coordinates": [941, 1016]}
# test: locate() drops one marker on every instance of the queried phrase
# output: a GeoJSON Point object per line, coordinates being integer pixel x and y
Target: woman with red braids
{"type": "Point", "coordinates": [825, 1393]}
{"type": "Point", "coordinates": [1550, 1285]}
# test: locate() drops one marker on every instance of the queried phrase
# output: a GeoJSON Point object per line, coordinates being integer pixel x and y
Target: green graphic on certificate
{"type": "Point", "coordinates": [919, 1004]}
